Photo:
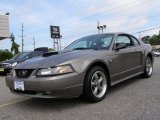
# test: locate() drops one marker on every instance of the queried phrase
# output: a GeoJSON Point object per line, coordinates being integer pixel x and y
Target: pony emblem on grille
{"type": "Point", "coordinates": [23, 72]}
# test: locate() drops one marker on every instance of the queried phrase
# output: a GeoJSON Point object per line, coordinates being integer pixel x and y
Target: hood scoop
{"type": "Point", "coordinates": [47, 54]}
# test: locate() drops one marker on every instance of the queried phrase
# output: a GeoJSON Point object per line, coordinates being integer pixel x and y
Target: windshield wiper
{"type": "Point", "coordinates": [80, 48]}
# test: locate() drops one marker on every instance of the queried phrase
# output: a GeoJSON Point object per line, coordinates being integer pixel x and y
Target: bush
{"type": "Point", "coordinates": [155, 40]}
{"type": "Point", "coordinates": [5, 54]}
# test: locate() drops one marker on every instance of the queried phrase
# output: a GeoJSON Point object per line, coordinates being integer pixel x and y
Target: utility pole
{"type": "Point", "coordinates": [60, 43]}
{"type": "Point", "coordinates": [98, 25]}
{"type": "Point", "coordinates": [22, 36]}
{"type": "Point", "coordinates": [34, 44]}
{"type": "Point", "coordinates": [139, 35]}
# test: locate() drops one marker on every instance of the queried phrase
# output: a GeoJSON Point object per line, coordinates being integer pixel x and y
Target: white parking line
{"type": "Point", "coordinates": [13, 102]}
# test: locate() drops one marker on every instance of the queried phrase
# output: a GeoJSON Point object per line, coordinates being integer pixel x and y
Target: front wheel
{"type": "Point", "coordinates": [148, 68]}
{"type": "Point", "coordinates": [95, 84]}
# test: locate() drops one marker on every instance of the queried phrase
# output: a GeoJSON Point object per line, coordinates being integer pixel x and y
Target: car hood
{"type": "Point", "coordinates": [13, 60]}
{"type": "Point", "coordinates": [59, 59]}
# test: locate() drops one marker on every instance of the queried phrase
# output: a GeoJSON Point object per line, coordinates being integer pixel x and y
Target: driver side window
{"type": "Point", "coordinates": [121, 39]}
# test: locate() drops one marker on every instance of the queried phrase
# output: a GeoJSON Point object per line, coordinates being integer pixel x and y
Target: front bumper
{"type": "Point", "coordinates": [68, 85]}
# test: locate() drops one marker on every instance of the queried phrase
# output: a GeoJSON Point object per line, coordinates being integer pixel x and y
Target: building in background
{"type": "Point", "coordinates": [4, 27]}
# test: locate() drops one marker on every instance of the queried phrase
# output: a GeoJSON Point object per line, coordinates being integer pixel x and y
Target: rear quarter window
{"type": "Point", "coordinates": [135, 41]}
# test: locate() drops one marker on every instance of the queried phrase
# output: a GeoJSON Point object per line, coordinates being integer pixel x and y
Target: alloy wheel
{"type": "Point", "coordinates": [98, 84]}
{"type": "Point", "coordinates": [149, 67]}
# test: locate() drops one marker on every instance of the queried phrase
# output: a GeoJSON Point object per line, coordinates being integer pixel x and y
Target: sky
{"type": "Point", "coordinates": [77, 18]}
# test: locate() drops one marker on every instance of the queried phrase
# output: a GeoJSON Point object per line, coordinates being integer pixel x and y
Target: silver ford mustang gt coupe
{"type": "Point", "coordinates": [87, 67]}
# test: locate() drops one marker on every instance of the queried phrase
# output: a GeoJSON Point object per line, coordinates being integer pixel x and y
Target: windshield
{"type": "Point", "coordinates": [91, 42]}
{"type": "Point", "coordinates": [23, 55]}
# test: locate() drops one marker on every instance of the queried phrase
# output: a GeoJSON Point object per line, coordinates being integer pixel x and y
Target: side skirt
{"type": "Point", "coordinates": [126, 78]}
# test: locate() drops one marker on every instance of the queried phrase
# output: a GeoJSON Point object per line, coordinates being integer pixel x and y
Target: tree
{"type": "Point", "coordinates": [5, 54]}
{"type": "Point", "coordinates": [155, 40]}
{"type": "Point", "coordinates": [15, 46]}
{"type": "Point", "coordinates": [50, 49]}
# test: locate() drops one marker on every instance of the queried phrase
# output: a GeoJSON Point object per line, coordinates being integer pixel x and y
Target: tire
{"type": "Point", "coordinates": [95, 84]}
{"type": "Point", "coordinates": [148, 68]}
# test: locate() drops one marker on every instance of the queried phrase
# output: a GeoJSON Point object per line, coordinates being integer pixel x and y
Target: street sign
{"type": "Point", "coordinates": [55, 31]}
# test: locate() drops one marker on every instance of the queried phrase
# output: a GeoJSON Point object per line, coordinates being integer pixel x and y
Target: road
{"type": "Point", "coordinates": [134, 99]}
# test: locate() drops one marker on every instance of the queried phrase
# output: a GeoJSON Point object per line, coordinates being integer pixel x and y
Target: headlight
{"type": "Point", "coordinates": [13, 64]}
{"type": "Point", "coordinates": [55, 70]}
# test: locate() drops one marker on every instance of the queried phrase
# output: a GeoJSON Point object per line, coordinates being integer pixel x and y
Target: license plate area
{"type": "Point", "coordinates": [19, 85]}
{"type": "Point", "coordinates": [1, 69]}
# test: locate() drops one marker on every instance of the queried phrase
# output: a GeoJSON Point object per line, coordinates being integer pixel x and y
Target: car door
{"type": "Point", "coordinates": [123, 60]}
{"type": "Point", "coordinates": [139, 51]}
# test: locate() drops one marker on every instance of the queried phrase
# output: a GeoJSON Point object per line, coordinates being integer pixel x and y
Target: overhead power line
{"type": "Point", "coordinates": [106, 12]}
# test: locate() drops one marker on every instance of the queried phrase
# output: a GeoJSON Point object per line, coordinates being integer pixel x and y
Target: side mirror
{"type": "Point", "coordinates": [120, 46]}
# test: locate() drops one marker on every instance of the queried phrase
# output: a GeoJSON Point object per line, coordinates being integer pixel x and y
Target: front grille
{"type": "Point", "coordinates": [23, 73]}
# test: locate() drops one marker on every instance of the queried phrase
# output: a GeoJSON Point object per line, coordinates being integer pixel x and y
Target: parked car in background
{"type": "Point", "coordinates": [87, 67]}
{"type": "Point", "coordinates": [156, 53]}
{"type": "Point", "coordinates": [6, 66]}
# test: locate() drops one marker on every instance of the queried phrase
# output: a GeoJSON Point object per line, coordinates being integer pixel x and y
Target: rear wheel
{"type": "Point", "coordinates": [148, 68]}
{"type": "Point", "coordinates": [95, 85]}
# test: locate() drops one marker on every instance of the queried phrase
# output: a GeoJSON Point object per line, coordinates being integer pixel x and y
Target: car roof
{"type": "Point", "coordinates": [109, 33]}
{"type": "Point", "coordinates": [114, 33]}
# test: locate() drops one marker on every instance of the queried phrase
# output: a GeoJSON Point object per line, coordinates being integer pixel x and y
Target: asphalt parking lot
{"type": "Point", "coordinates": [135, 99]}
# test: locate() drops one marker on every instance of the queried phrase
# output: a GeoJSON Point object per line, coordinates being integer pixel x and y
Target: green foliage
{"type": "Point", "coordinates": [154, 40]}
{"type": "Point", "coordinates": [50, 49]}
{"type": "Point", "coordinates": [5, 54]}
{"type": "Point", "coordinates": [15, 46]}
